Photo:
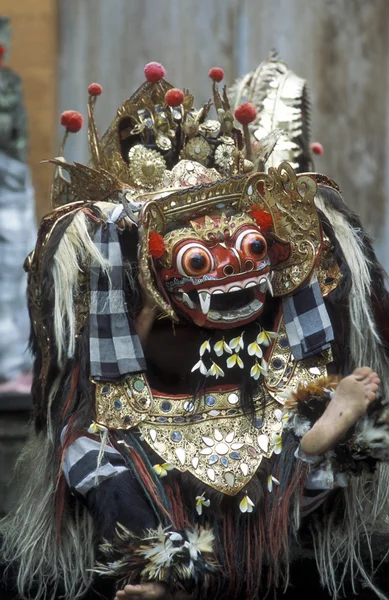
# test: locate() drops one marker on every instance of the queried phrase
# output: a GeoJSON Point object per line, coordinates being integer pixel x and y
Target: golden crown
{"type": "Point", "coordinates": [158, 142]}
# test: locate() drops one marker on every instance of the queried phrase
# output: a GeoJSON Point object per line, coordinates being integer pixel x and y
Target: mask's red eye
{"type": "Point", "coordinates": [194, 260]}
{"type": "Point", "coordinates": [252, 244]}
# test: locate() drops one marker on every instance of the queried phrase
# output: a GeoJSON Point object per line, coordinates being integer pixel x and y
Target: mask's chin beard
{"type": "Point", "coordinates": [216, 308]}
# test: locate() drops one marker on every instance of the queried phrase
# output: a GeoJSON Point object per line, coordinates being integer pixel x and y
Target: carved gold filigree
{"type": "Point", "coordinates": [183, 205]}
{"type": "Point", "coordinates": [124, 404]}
{"type": "Point", "coordinates": [197, 149]}
{"type": "Point", "coordinates": [147, 167]}
{"type": "Point", "coordinates": [212, 438]}
{"type": "Point", "coordinates": [327, 270]}
{"type": "Point", "coordinates": [220, 449]}
{"type": "Point", "coordinates": [289, 198]}
{"type": "Point", "coordinates": [88, 184]}
{"type": "Point", "coordinates": [212, 229]}
{"type": "Point", "coordinates": [224, 157]}
{"type": "Point", "coordinates": [210, 128]}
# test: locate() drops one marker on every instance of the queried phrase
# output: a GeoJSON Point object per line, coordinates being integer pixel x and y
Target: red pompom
{"type": "Point", "coordinates": [156, 244]}
{"type": "Point", "coordinates": [217, 74]}
{"type": "Point", "coordinates": [72, 120]}
{"type": "Point", "coordinates": [262, 218]}
{"type": "Point", "coordinates": [245, 113]}
{"type": "Point", "coordinates": [174, 97]}
{"type": "Point", "coordinates": [154, 72]}
{"type": "Point", "coordinates": [317, 148]}
{"type": "Point", "coordinates": [95, 89]}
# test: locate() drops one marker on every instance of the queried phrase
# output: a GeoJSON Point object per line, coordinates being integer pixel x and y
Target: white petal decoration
{"type": "Point", "coordinates": [226, 348]}
{"type": "Point", "coordinates": [211, 474]}
{"type": "Point", "coordinates": [195, 462]}
{"type": "Point", "coordinates": [278, 414]}
{"type": "Point", "coordinates": [230, 436]}
{"type": "Point", "coordinates": [244, 468]}
{"type": "Point", "coordinates": [263, 442]}
{"type": "Point", "coordinates": [218, 435]}
{"type": "Point", "coordinates": [180, 453]}
{"type": "Point", "coordinates": [231, 361]}
{"type": "Point", "coordinates": [239, 361]}
{"type": "Point", "coordinates": [205, 347]}
{"type": "Point", "coordinates": [153, 434]}
{"type": "Point", "coordinates": [208, 441]}
{"type": "Point", "coordinates": [219, 348]}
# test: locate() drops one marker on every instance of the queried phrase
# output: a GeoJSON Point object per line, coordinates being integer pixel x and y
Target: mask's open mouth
{"type": "Point", "coordinates": [225, 304]}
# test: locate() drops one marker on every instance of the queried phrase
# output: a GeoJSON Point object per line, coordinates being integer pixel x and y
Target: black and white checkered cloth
{"type": "Point", "coordinates": [308, 325]}
{"type": "Point", "coordinates": [115, 349]}
{"type": "Point", "coordinates": [80, 466]}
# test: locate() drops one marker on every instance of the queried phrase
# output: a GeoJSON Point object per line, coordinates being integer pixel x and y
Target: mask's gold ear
{"type": "Point", "coordinates": [289, 198]}
{"type": "Point", "coordinates": [151, 218]}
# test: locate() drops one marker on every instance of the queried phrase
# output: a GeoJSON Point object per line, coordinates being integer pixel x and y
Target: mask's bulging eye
{"type": "Point", "coordinates": [252, 244]}
{"type": "Point", "coordinates": [194, 260]}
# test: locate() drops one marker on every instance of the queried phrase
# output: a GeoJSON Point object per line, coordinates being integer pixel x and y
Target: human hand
{"type": "Point", "coordinates": [145, 591]}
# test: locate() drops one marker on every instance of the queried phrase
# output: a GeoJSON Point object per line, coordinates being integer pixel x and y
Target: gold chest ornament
{"type": "Point", "coordinates": [211, 438]}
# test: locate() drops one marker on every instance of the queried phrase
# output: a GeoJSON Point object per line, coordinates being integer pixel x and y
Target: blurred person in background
{"type": "Point", "coordinates": [17, 228]}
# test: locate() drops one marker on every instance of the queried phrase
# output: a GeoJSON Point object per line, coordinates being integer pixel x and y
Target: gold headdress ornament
{"type": "Point", "coordinates": [143, 149]}
{"type": "Point", "coordinates": [161, 153]}
{"type": "Point", "coordinates": [282, 100]}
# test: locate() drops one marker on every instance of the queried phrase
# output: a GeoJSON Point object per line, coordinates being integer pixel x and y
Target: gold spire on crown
{"type": "Point", "coordinates": [153, 133]}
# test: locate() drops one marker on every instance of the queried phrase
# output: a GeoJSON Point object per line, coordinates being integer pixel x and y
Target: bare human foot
{"type": "Point", "coordinates": [350, 401]}
{"type": "Point", "coordinates": [151, 591]}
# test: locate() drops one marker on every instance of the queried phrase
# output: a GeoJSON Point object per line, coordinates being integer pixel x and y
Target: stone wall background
{"type": "Point", "coordinates": [340, 46]}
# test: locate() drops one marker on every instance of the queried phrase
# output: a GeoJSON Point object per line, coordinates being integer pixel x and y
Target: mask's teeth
{"type": "Point", "coordinates": [263, 284]}
{"type": "Point", "coordinates": [205, 301]}
{"type": "Point", "coordinates": [186, 300]}
{"type": "Point", "coordinates": [270, 287]}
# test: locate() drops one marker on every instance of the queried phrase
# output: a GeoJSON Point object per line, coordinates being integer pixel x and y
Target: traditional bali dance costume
{"type": "Point", "coordinates": [180, 461]}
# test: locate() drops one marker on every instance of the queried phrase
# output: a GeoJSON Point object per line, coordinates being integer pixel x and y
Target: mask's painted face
{"type": "Point", "coordinates": [219, 270]}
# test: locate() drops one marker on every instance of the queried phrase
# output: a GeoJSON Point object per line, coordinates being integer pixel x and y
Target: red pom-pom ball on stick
{"type": "Point", "coordinates": [156, 244]}
{"type": "Point", "coordinates": [72, 120]}
{"type": "Point", "coordinates": [317, 148]}
{"type": "Point", "coordinates": [95, 89]}
{"type": "Point", "coordinates": [217, 74]}
{"type": "Point", "coordinates": [174, 97]}
{"type": "Point", "coordinates": [262, 218]}
{"type": "Point", "coordinates": [154, 72]}
{"type": "Point", "coordinates": [245, 113]}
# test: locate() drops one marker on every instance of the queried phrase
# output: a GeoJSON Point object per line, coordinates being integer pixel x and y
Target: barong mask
{"type": "Point", "coordinates": [218, 268]}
